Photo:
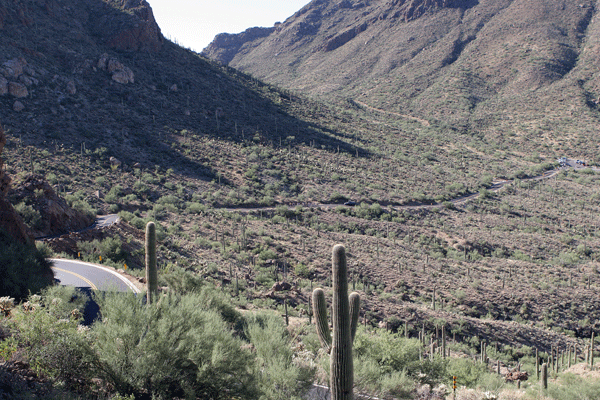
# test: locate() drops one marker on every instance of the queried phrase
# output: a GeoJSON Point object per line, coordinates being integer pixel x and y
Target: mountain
{"type": "Point", "coordinates": [512, 70]}
{"type": "Point", "coordinates": [247, 177]}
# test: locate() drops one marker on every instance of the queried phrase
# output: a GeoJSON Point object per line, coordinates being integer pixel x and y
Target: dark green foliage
{"type": "Point", "coordinates": [573, 387]}
{"type": "Point", "coordinates": [23, 269]}
{"type": "Point", "coordinates": [30, 215]}
{"type": "Point", "coordinates": [280, 376]}
{"type": "Point", "coordinates": [48, 326]}
{"type": "Point", "coordinates": [180, 347]}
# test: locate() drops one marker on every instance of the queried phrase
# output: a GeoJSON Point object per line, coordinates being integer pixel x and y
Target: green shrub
{"type": "Point", "coordinates": [30, 215]}
{"type": "Point", "coordinates": [393, 355]}
{"type": "Point", "coordinates": [178, 347]}
{"type": "Point", "coordinates": [572, 387]}
{"type": "Point", "coordinates": [23, 268]}
{"type": "Point", "coordinates": [47, 326]}
{"type": "Point", "coordinates": [280, 376]}
{"type": "Point", "coordinates": [467, 371]}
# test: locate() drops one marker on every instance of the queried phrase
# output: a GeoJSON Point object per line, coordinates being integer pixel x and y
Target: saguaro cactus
{"type": "Point", "coordinates": [344, 320]}
{"type": "Point", "coordinates": [151, 273]}
{"type": "Point", "coordinates": [544, 376]}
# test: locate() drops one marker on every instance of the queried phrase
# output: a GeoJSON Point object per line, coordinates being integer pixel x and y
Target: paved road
{"type": "Point", "coordinates": [104, 221]}
{"type": "Point", "coordinates": [86, 275]}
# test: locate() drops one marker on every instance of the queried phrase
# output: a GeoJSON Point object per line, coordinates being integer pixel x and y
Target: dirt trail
{"type": "Point", "coordinates": [420, 120]}
{"type": "Point", "coordinates": [496, 186]}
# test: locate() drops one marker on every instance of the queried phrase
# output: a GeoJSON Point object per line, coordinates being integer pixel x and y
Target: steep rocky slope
{"type": "Point", "coordinates": [9, 219]}
{"type": "Point", "coordinates": [514, 70]}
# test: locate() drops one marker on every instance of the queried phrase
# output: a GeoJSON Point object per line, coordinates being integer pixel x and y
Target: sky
{"type": "Point", "coordinates": [195, 23]}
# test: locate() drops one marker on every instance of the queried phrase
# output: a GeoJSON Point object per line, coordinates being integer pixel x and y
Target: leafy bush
{"type": "Point", "coordinates": [280, 376]}
{"type": "Point", "coordinates": [181, 347]}
{"type": "Point", "coordinates": [30, 215]}
{"type": "Point", "coordinates": [48, 325]}
{"type": "Point", "coordinates": [466, 371]}
{"type": "Point", "coordinates": [23, 268]}
{"type": "Point", "coordinates": [572, 387]}
{"type": "Point", "coordinates": [109, 248]}
{"type": "Point", "coordinates": [387, 358]}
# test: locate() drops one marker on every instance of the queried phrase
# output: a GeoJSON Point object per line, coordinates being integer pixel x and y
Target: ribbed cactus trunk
{"type": "Point", "coordinates": [544, 376]}
{"type": "Point", "coordinates": [151, 272]}
{"type": "Point", "coordinates": [344, 320]}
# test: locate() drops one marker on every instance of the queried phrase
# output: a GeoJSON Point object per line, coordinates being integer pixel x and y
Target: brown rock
{"type": "Point", "coordinates": [17, 89]}
{"type": "Point", "coordinates": [123, 76]}
{"type": "Point", "coordinates": [14, 68]}
{"type": "Point", "coordinates": [18, 106]}
{"type": "Point", "coordinates": [57, 216]}
{"type": "Point", "coordinates": [114, 65]}
{"type": "Point", "coordinates": [103, 61]}
{"type": "Point", "coordinates": [71, 88]}
{"type": "Point", "coordinates": [280, 286]}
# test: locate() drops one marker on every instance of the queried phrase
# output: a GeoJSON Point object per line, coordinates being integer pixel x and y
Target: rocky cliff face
{"type": "Point", "coordinates": [57, 217]}
{"type": "Point", "coordinates": [455, 62]}
{"type": "Point", "coordinates": [225, 45]}
{"type": "Point", "coordinates": [136, 30]}
{"type": "Point", "coordinates": [9, 219]}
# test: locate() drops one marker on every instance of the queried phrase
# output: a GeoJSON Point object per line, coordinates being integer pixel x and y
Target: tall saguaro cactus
{"type": "Point", "coordinates": [344, 319]}
{"type": "Point", "coordinates": [151, 273]}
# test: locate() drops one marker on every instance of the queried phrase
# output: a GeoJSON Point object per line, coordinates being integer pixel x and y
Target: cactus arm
{"type": "Point", "coordinates": [320, 312]}
{"type": "Point", "coordinates": [354, 313]}
{"type": "Point", "coordinates": [151, 273]}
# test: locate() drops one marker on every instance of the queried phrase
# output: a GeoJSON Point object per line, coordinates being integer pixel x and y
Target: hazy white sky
{"type": "Point", "coordinates": [194, 23]}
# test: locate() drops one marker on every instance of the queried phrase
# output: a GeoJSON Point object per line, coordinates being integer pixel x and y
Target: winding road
{"type": "Point", "coordinates": [91, 276]}
{"type": "Point", "coordinates": [96, 277]}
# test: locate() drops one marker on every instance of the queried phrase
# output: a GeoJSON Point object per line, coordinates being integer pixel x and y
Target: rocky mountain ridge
{"type": "Point", "coordinates": [485, 67]}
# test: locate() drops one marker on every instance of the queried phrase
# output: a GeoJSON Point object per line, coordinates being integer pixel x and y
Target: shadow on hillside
{"type": "Point", "coordinates": [174, 91]}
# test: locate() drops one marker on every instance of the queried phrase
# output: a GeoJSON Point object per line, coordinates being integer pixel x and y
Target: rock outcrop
{"type": "Point", "coordinates": [10, 221]}
{"type": "Point", "coordinates": [57, 216]}
{"type": "Point", "coordinates": [225, 45]}
{"type": "Point", "coordinates": [133, 30]}
{"type": "Point", "coordinates": [119, 72]}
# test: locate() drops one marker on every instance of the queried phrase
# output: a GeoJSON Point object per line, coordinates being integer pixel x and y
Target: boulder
{"type": "Point", "coordinates": [14, 68]}
{"type": "Point", "coordinates": [17, 89]}
{"type": "Point", "coordinates": [71, 89]}
{"type": "Point", "coordinates": [18, 106]}
{"type": "Point", "coordinates": [103, 61]}
{"type": "Point", "coordinates": [281, 286]}
{"type": "Point", "coordinates": [120, 73]}
{"type": "Point", "coordinates": [114, 65]}
{"type": "Point", "coordinates": [123, 76]}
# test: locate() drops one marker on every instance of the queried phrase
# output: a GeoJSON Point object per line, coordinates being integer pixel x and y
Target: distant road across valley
{"type": "Point", "coordinates": [86, 275]}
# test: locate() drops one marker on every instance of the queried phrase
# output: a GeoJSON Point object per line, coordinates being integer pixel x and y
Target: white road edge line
{"type": "Point", "coordinates": [125, 280]}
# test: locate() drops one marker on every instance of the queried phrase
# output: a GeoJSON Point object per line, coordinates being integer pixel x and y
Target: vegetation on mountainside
{"type": "Point", "coordinates": [522, 74]}
{"type": "Point", "coordinates": [246, 183]}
